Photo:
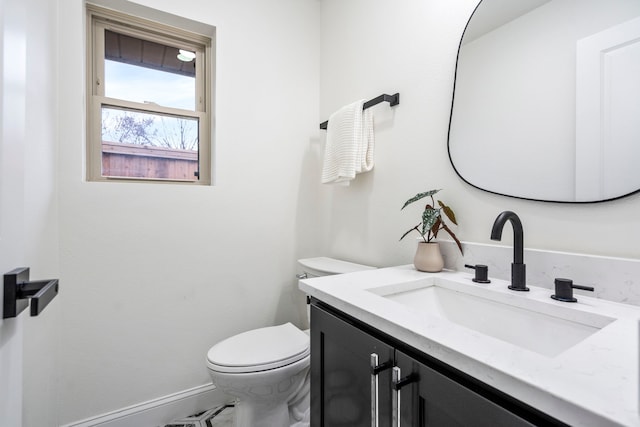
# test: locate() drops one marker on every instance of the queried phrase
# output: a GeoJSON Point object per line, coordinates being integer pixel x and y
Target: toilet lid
{"type": "Point", "coordinates": [259, 349]}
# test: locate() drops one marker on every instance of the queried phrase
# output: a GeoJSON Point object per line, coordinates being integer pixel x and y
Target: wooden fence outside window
{"type": "Point", "coordinates": [140, 161]}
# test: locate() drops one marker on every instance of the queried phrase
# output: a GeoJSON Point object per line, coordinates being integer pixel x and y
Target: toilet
{"type": "Point", "coordinates": [267, 369]}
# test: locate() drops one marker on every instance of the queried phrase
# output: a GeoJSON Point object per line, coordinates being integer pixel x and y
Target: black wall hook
{"type": "Point", "coordinates": [18, 290]}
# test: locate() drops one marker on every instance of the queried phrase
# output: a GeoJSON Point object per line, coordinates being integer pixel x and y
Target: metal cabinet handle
{"type": "Point", "coordinates": [376, 368]}
{"type": "Point", "coordinates": [398, 382]}
{"type": "Point", "coordinates": [395, 397]}
{"type": "Point", "coordinates": [374, 391]}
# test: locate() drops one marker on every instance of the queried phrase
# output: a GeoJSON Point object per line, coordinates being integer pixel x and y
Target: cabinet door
{"type": "Point", "coordinates": [435, 400]}
{"type": "Point", "coordinates": [341, 374]}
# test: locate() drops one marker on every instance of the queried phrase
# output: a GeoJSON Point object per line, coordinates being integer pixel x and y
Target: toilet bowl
{"type": "Point", "coordinates": [267, 369]}
{"type": "Point", "coordinates": [263, 369]}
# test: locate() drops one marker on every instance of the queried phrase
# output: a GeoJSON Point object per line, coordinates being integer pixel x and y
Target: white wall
{"type": "Point", "coordinates": [155, 274]}
{"type": "Point", "coordinates": [375, 46]}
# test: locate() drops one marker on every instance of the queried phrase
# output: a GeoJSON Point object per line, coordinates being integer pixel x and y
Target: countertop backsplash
{"type": "Point", "coordinates": [614, 279]}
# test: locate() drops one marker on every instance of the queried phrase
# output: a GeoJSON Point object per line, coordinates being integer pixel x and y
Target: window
{"type": "Point", "coordinates": [149, 103]}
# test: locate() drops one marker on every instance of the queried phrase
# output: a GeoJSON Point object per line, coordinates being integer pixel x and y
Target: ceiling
{"type": "Point", "coordinates": [143, 53]}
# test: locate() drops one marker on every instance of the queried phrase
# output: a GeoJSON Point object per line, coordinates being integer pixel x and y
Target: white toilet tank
{"type": "Point", "coordinates": [323, 266]}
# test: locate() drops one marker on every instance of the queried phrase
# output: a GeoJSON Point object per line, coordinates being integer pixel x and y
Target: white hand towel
{"type": "Point", "coordinates": [350, 144]}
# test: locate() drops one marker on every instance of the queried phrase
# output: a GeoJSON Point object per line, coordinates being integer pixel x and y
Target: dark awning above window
{"type": "Point", "coordinates": [143, 53]}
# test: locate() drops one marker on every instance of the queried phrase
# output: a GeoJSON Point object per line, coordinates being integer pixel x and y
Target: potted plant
{"type": "Point", "coordinates": [428, 256]}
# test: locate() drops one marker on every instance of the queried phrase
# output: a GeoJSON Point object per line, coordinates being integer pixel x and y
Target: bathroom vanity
{"type": "Point", "coordinates": [396, 346]}
{"type": "Point", "coordinates": [359, 374]}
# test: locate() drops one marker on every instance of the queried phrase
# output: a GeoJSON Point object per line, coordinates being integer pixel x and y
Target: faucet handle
{"type": "Point", "coordinates": [482, 273]}
{"type": "Point", "coordinates": [564, 290]}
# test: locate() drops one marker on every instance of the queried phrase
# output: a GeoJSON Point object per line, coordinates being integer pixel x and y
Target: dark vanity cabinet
{"type": "Point", "coordinates": [343, 389]}
{"type": "Point", "coordinates": [431, 398]}
{"type": "Point", "coordinates": [361, 377]}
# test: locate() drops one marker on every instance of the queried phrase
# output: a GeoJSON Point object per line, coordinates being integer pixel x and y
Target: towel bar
{"type": "Point", "coordinates": [391, 99]}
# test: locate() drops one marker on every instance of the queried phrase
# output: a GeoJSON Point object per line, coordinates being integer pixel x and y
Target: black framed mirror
{"type": "Point", "coordinates": [545, 103]}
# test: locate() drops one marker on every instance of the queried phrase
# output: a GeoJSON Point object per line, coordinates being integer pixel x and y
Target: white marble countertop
{"type": "Point", "coordinates": [593, 383]}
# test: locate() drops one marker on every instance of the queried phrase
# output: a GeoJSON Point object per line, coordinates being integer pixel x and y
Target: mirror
{"type": "Point", "coordinates": [545, 103]}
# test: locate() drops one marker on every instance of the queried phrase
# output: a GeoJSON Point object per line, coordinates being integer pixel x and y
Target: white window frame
{"type": "Point", "coordinates": [99, 20]}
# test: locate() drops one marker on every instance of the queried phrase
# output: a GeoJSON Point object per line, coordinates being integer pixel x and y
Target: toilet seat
{"type": "Point", "coordinates": [259, 350]}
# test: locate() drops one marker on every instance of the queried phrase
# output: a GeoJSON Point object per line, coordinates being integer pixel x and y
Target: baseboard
{"type": "Point", "coordinates": [161, 411]}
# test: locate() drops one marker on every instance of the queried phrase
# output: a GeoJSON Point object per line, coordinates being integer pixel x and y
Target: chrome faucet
{"type": "Point", "coordinates": [518, 268]}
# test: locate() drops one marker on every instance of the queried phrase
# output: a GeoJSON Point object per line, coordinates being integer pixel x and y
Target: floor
{"type": "Point", "coordinates": [218, 417]}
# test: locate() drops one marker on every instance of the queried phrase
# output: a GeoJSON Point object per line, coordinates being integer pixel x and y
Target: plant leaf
{"type": "Point", "coordinates": [452, 234]}
{"type": "Point", "coordinates": [436, 227]}
{"type": "Point", "coordinates": [448, 212]}
{"type": "Point", "coordinates": [418, 197]}
{"type": "Point", "coordinates": [429, 217]}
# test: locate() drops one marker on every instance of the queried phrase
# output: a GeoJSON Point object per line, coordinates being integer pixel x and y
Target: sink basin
{"type": "Point", "coordinates": [539, 326]}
